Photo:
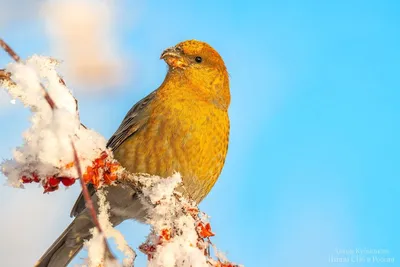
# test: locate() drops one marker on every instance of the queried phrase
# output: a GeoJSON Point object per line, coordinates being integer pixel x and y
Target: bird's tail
{"type": "Point", "coordinates": [125, 204]}
{"type": "Point", "coordinates": [68, 244]}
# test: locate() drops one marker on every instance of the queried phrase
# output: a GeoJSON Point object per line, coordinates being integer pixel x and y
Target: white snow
{"type": "Point", "coordinates": [168, 212]}
{"type": "Point", "coordinates": [47, 143]}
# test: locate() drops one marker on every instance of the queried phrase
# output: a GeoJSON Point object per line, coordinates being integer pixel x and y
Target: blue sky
{"type": "Point", "coordinates": [314, 153]}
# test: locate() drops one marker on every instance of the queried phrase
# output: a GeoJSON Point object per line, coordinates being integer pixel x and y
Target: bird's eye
{"type": "Point", "coordinates": [198, 59]}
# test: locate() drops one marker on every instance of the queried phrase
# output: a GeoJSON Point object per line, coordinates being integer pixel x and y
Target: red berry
{"type": "Point", "coordinates": [67, 181]}
{"type": "Point", "coordinates": [53, 181]}
{"type": "Point", "coordinates": [26, 180]}
{"type": "Point", "coordinates": [36, 178]}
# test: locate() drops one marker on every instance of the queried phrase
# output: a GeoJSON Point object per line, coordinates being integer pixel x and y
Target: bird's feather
{"type": "Point", "coordinates": [136, 117]}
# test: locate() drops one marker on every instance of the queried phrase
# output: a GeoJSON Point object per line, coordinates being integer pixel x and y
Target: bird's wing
{"type": "Point", "coordinates": [136, 117]}
{"type": "Point", "coordinates": [133, 121]}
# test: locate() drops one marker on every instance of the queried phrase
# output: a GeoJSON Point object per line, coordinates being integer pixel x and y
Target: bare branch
{"type": "Point", "coordinates": [9, 50]}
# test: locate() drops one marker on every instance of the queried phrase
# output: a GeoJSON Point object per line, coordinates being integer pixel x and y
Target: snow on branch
{"type": "Point", "coordinates": [58, 149]}
{"type": "Point", "coordinates": [47, 152]}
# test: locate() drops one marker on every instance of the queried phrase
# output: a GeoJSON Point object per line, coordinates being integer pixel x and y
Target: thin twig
{"type": "Point", "coordinates": [9, 50]}
{"type": "Point", "coordinates": [86, 195]}
{"type": "Point", "coordinates": [89, 202]}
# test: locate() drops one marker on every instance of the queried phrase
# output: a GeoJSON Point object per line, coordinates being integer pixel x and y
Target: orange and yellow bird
{"type": "Point", "coordinates": [183, 126]}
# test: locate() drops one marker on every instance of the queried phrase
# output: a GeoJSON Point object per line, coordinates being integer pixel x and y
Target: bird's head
{"type": "Point", "coordinates": [202, 66]}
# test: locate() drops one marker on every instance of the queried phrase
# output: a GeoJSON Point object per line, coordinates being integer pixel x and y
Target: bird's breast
{"type": "Point", "coordinates": [186, 137]}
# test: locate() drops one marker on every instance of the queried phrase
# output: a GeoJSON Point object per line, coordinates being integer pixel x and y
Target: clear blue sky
{"type": "Point", "coordinates": [313, 162]}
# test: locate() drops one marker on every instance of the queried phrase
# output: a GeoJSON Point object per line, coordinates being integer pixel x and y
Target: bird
{"type": "Point", "coordinates": [182, 126]}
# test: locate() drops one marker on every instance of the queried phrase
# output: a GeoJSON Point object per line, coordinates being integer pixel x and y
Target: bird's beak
{"type": "Point", "coordinates": [173, 56]}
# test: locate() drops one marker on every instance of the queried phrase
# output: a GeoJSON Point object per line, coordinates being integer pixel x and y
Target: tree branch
{"type": "Point", "coordinates": [53, 106]}
{"type": "Point", "coordinates": [89, 203]}
{"type": "Point", "coordinates": [9, 50]}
